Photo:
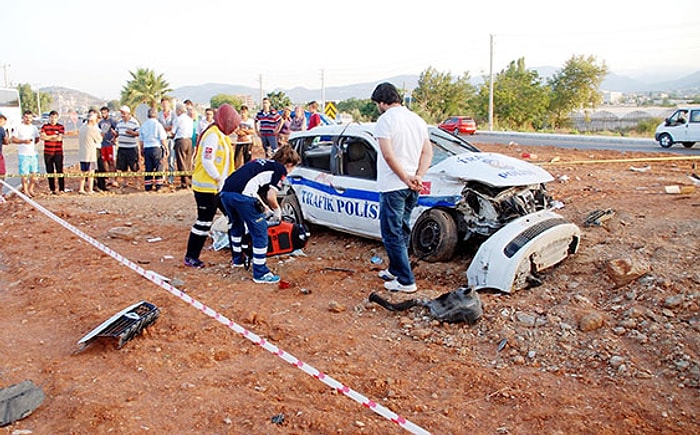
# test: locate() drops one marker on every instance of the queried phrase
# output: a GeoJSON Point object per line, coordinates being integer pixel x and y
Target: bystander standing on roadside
{"type": "Point", "coordinates": [239, 196]}
{"type": "Point", "coordinates": [127, 137]}
{"type": "Point", "coordinates": [167, 117]}
{"type": "Point", "coordinates": [108, 129]}
{"type": "Point", "coordinates": [213, 162]}
{"type": "Point", "coordinates": [89, 137]}
{"type": "Point", "coordinates": [245, 134]}
{"type": "Point", "coordinates": [405, 157]}
{"type": "Point", "coordinates": [284, 128]}
{"type": "Point", "coordinates": [182, 133]}
{"type": "Point", "coordinates": [153, 143]}
{"type": "Point", "coordinates": [298, 120]}
{"type": "Point", "coordinates": [266, 122]}
{"type": "Point", "coordinates": [192, 113]}
{"type": "Point", "coordinates": [314, 118]}
{"type": "Point", "coordinates": [26, 137]}
{"type": "Point", "coordinates": [205, 121]}
{"type": "Point", "coordinates": [4, 140]}
{"type": "Point", "coordinates": [52, 135]}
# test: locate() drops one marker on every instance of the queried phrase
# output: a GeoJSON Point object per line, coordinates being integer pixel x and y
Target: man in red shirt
{"type": "Point", "coordinates": [52, 135]}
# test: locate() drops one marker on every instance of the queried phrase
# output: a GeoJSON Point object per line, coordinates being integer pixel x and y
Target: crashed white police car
{"type": "Point", "coordinates": [496, 202]}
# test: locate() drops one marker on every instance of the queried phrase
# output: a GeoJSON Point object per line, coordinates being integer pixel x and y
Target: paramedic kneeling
{"type": "Point", "coordinates": [239, 197]}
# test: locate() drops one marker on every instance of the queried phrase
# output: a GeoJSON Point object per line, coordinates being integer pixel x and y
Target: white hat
{"type": "Point", "coordinates": [125, 109]}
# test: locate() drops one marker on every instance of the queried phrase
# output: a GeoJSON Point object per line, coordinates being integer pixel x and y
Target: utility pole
{"type": "Point", "coordinates": [491, 84]}
{"type": "Point", "coordinates": [261, 89]}
{"type": "Point", "coordinates": [4, 68]}
{"type": "Point", "coordinates": [323, 91]}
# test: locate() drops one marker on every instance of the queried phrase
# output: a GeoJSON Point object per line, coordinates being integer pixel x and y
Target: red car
{"type": "Point", "coordinates": [459, 124]}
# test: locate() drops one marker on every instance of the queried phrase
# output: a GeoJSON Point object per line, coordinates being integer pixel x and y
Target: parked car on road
{"type": "Point", "coordinates": [468, 195]}
{"type": "Point", "coordinates": [459, 125]}
{"type": "Point", "coordinates": [682, 126]}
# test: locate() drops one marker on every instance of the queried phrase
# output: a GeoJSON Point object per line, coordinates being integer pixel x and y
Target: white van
{"type": "Point", "coordinates": [683, 126]}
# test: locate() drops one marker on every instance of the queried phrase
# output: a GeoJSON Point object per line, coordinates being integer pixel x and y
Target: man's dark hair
{"type": "Point", "coordinates": [188, 101]}
{"type": "Point", "coordinates": [53, 112]}
{"type": "Point", "coordinates": [104, 108]}
{"type": "Point", "coordinates": [386, 93]}
{"type": "Point", "coordinates": [28, 112]}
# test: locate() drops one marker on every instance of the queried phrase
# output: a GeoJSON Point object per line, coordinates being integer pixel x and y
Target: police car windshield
{"type": "Point", "coordinates": [447, 145]}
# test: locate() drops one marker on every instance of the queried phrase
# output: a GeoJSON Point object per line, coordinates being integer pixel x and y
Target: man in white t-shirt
{"type": "Point", "coordinates": [406, 154]}
{"type": "Point", "coordinates": [26, 137]}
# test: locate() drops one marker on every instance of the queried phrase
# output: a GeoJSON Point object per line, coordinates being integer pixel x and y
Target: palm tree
{"type": "Point", "coordinates": [144, 87]}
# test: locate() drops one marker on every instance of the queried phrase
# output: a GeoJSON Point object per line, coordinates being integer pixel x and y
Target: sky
{"type": "Point", "coordinates": [91, 46]}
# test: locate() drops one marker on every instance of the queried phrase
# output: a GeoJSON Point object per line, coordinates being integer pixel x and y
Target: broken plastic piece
{"type": "Point", "coordinates": [18, 401]}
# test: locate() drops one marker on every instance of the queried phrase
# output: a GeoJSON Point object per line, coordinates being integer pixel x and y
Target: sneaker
{"type": "Point", "coordinates": [386, 275]}
{"type": "Point", "coordinates": [237, 265]}
{"type": "Point", "coordinates": [268, 278]}
{"type": "Point", "coordinates": [194, 262]}
{"type": "Point", "coordinates": [396, 286]}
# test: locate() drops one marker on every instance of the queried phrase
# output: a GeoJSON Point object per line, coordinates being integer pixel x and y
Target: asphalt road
{"type": "Point", "coordinates": [579, 142]}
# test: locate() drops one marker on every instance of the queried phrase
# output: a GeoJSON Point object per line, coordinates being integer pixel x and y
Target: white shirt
{"type": "Point", "coordinates": [202, 125]}
{"type": "Point", "coordinates": [24, 132]}
{"type": "Point", "coordinates": [407, 132]}
{"type": "Point", "coordinates": [183, 127]}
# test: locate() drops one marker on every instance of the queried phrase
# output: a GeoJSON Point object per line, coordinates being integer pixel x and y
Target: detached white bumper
{"type": "Point", "coordinates": [509, 259]}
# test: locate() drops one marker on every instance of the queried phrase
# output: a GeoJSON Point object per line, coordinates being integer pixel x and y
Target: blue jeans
{"type": "Point", "coordinates": [269, 144]}
{"type": "Point", "coordinates": [394, 217]}
{"type": "Point", "coordinates": [241, 211]}
{"type": "Point", "coordinates": [153, 160]}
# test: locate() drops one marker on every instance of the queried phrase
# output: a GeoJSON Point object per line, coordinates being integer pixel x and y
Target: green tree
{"type": "Point", "coordinates": [220, 99]}
{"type": "Point", "coordinates": [29, 99]}
{"type": "Point", "coordinates": [576, 86]}
{"type": "Point", "coordinates": [520, 99]}
{"type": "Point", "coordinates": [279, 100]}
{"type": "Point", "coordinates": [113, 104]}
{"type": "Point", "coordinates": [145, 87]}
{"type": "Point", "coordinates": [439, 95]}
{"type": "Point", "coordinates": [361, 110]}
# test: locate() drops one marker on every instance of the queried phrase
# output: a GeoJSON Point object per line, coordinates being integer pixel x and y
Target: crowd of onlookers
{"type": "Point", "coordinates": [163, 143]}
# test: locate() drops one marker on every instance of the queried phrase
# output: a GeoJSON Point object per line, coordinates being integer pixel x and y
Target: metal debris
{"type": "Point", "coordinates": [124, 325]}
{"type": "Point", "coordinates": [597, 217]}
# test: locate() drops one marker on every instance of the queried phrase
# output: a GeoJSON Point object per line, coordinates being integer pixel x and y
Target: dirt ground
{"type": "Point", "coordinates": [578, 354]}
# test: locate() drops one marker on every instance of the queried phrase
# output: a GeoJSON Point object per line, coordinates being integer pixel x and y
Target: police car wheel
{"type": "Point", "coordinates": [434, 236]}
{"type": "Point", "coordinates": [291, 210]}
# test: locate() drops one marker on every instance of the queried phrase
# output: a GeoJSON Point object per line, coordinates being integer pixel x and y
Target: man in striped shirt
{"type": "Point", "coordinates": [266, 122]}
{"type": "Point", "coordinates": [52, 135]}
{"type": "Point", "coordinates": [128, 135]}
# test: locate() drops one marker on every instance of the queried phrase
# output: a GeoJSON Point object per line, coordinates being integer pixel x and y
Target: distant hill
{"type": "Point", "coordinates": [202, 93]}
{"type": "Point", "coordinates": [65, 99]}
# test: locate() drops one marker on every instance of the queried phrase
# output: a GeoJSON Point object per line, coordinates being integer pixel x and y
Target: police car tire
{"type": "Point", "coordinates": [434, 236]}
{"type": "Point", "coordinates": [291, 209]}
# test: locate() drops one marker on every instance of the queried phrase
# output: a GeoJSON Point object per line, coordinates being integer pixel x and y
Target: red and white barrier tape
{"type": "Point", "coordinates": [289, 358]}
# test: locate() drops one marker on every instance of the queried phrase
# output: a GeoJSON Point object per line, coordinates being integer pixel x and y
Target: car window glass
{"type": "Point", "coordinates": [695, 115]}
{"type": "Point", "coordinates": [316, 153]}
{"type": "Point", "coordinates": [359, 159]}
{"type": "Point", "coordinates": [446, 145]}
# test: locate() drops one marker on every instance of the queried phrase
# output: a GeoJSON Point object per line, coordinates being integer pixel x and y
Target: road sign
{"type": "Point", "coordinates": [330, 110]}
